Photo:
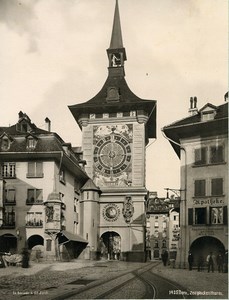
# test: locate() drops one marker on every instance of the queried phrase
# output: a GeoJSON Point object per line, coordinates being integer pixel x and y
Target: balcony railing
{"type": "Point", "coordinates": [38, 223]}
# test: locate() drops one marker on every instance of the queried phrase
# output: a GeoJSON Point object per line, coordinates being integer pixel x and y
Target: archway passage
{"type": "Point", "coordinates": [8, 243]}
{"type": "Point", "coordinates": [204, 245]}
{"type": "Point", "coordinates": [112, 245]}
{"type": "Point", "coordinates": [35, 240]}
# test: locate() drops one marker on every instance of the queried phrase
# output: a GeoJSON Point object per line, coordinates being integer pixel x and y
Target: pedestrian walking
{"type": "Point", "coordinates": [164, 257]}
{"type": "Point", "coordinates": [25, 258]}
{"type": "Point", "coordinates": [190, 260]}
{"type": "Point", "coordinates": [219, 261]}
{"type": "Point", "coordinates": [200, 263]}
{"type": "Point", "coordinates": [210, 262]}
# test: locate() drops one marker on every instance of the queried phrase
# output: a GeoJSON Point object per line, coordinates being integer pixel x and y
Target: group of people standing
{"type": "Point", "coordinates": [220, 260]}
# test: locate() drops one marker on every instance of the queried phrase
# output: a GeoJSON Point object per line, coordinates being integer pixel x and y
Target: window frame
{"type": "Point", "coordinates": [216, 157]}
{"type": "Point", "coordinates": [202, 154]}
{"type": "Point", "coordinates": [215, 186]}
{"type": "Point", "coordinates": [8, 170]}
{"type": "Point", "coordinates": [35, 196]}
{"type": "Point", "coordinates": [200, 188]}
{"type": "Point", "coordinates": [204, 222]}
{"type": "Point", "coordinates": [35, 172]}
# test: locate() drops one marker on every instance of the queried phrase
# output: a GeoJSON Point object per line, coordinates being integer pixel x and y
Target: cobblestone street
{"type": "Point", "coordinates": [42, 279]}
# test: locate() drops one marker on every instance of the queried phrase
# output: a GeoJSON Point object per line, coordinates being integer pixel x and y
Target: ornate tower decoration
{"type": "Point", "coordinates": [128, 209]}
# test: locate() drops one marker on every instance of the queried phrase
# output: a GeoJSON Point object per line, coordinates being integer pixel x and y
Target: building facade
{"type": "Point", "coordinates": [41, 181]}
{"type": "Point", "coordinates": [201, 142]}
{"type": "Point", "coordinates": [116, 127]}
{"type": "Point", "coordinates": [163, 227]}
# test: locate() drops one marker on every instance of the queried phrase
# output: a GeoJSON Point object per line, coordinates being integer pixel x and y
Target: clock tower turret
{"type": "Point", "coordinates": [116, 127]}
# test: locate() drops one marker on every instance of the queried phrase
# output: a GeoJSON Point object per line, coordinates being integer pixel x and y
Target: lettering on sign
{"type": "Point", "coordinates": [210, 201]}
{"type": "Point", "coordinates": [203, 232]}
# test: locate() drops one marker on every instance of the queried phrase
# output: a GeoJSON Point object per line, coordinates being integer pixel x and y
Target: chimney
{"type": "Point", "coordinates": [193, 110]}
{"type": "Point", "coordinates": [47, 124]}
{"type": "Point", "coordinates": [226, 97]}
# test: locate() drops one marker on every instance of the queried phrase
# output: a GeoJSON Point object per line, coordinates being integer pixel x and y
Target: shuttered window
{"type": "Point", "coordinates": [217, 187]}
{"type": "Point", "coordinates": [200, 189]}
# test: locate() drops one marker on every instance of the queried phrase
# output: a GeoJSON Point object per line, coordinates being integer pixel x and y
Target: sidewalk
{"type": "Point", "coordinates": [216, 284]}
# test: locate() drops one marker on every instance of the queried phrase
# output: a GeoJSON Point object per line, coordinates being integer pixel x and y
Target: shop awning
{"type": "Point", "coordinates": [65, 236]}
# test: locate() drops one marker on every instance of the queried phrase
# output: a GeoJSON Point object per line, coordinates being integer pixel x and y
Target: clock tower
{"type": "Point", "coordinates": [116, 127]}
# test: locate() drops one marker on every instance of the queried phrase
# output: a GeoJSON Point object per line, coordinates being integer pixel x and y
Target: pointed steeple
{"type": "Point", "coordinates": [116, 52]}
{"type": "Point", "coordinates": [116, 37]}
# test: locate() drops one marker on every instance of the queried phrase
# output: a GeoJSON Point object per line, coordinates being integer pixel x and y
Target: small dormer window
{"type": "Point", "coordinates": [31, 143]}
{"type": "Point", "coordinates": [208, 112]}
{"type": "Point", "coordinates": [5, 144]}
{"type": "Point", "coordinates": [208, 116]}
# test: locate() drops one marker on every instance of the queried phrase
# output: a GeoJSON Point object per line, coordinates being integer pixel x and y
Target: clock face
{"type": "Point", "coordinates": [112, 154]}
{"type": "Point", "coordinates": [111, 212]}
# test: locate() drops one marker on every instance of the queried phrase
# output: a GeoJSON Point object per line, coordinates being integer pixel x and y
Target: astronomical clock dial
{"type": "Point", "coordinates": [112, 154]}
{"type": "Point", "coordinates": [111, 212]}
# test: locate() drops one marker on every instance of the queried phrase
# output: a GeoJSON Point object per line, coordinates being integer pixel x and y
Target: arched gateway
{"type": "Point", "coordinates": [204, 245]}
{"type": "Point", "coordinates": [111, 245]}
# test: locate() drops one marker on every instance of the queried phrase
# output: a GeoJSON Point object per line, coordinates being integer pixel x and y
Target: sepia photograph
{"type": "Point", "coordinates": [113, 149]}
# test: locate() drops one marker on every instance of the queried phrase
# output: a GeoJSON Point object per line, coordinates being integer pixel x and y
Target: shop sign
{"type": "Point", "coordinates": [208, 201]}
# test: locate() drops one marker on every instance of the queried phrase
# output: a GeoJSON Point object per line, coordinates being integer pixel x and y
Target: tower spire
{"type": "Point", "coordinates": [116, 37]}
{"type": "Point", "coordinates": [116, 52]}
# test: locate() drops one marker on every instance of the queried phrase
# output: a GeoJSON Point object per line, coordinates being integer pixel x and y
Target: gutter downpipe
{"type": "Point", "coordinates": [184, 200]}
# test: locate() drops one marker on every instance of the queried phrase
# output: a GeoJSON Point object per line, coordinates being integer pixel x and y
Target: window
{"type": "Point", "coordinates": [31, 142]}
{"type": "Point", "coordinates": [8, 170]}
{"type": "Point", "coordinates": [164, 244]}
{"type": "Point", "coordinates": [216, 215]}
{"type": "Point", "coordinates": [10, 196]}
{"type": "Point", "coordinates": [62, 176]}
{"type": "Point", "coordinates": [216, 154]}
{"type": "Point", "coordinates": [9, 217]}
{"type": "Point", "coordinates": [164, 225]}
{"type": "Point", "coordinates": [174, 218]}
{"type": "Point", "coordinates": [34, 219]}
{"type": "Point", "coordinates": [200, 156]}
{"type": "Point", "coordinates": [208, 115]}
{"type": "Point", "coordinates": [35, 169]}
{"type": "Point", "coordinates": [34, 196]}
{"type": "Point", "coordinates": [156, 233]}
{"type": "Point", "coordinates": [5, 144]}
{"type": "Point", "coordinates": [48, 245]}
{"type": "Point", "coordinates": [156, 225]}
{"type": "Point", "coordinates": [200, 215]}
{"type": "Point", "coordinates": [199, 188]}
{"type": "Point", "coordinates": [217, 187]}
{"type": "Point", "coordinates": [156, 244]}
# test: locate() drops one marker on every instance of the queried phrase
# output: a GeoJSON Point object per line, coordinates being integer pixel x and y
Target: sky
{"type": "Point", "coordinates": [53, 54]}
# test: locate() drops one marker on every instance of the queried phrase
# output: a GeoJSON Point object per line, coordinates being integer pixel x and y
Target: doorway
{"type": "Point", "coordinates": [112, 244]}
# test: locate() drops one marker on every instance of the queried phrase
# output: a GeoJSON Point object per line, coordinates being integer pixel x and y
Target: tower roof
{"type": "Point", "coordinates": [116, 37]}
{"type": "Point", "coordinates": [115, 95]}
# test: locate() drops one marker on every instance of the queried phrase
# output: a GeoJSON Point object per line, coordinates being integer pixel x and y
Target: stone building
{"type": "Point", "coordinates": [201, 143]}
{"type": "Point", "coordinates": [41, 185]}
{"type": "Point", "coordinates": [116, 127]}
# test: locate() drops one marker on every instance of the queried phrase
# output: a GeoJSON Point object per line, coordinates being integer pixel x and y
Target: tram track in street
{"type": "Point", "coordinates": [141, 283]}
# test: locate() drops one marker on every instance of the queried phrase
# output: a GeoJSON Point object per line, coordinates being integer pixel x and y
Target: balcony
{"type": "Point", "coordinates": [35, 223]}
